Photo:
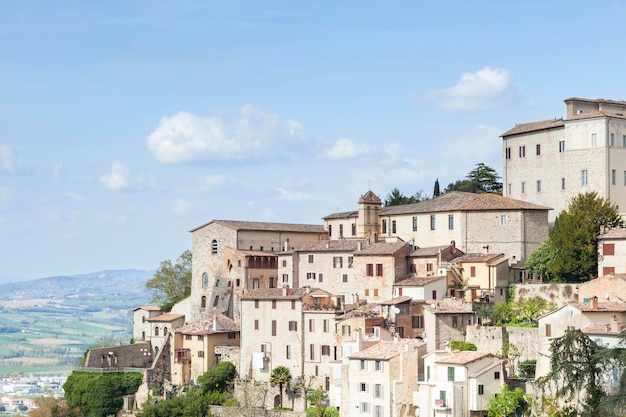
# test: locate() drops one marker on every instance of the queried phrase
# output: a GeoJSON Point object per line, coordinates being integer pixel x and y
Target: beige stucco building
{"type": "Point", "coordinates": [549, 162]}
{"type": "Point", "coordinates": [483, 276]}
{"type": "Point", "coordinates": [612, 251]}
{"type": "Point", "coordinates": [471, 222]}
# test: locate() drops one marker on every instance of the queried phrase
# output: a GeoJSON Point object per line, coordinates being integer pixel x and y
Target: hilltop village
{"type": "Point", "coordinates": [367, 305]}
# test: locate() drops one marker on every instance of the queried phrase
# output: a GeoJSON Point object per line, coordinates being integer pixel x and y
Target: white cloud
{"type": "Point", "coordinates": [255, 134]}
{"type": "Point", "coordinates": [121, 179]}
{"type": "Point", "coordinates": [345, 149]}
{"type": "Point", "coordinates": [487, 88]}
{"type": "Point", "coordinates": [10, 160]}
{"type": "Point", "coordinates": [479, 144]}
{"type": "Point", "coordinates": [284, 194]}
{"type": "Point", "coordinates": [74, 196]}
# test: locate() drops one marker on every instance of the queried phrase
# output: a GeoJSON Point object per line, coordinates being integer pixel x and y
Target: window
{"type": "Point", "coordinates": [608, 270]}
{"type": "Point", "coordinates": [273, 304]}
{"type": "Point", "coordinates": [450, 221]}
{"type": "Point", "coordinates": [293, 304]}
{"type": "Point", "coordinates": [216, 301]}
{"type": "Point", "coordinates": [330, 230]}
{"type": "Point", "coordinates": [415, 223]}
{"type": "Point", "coordinates": [375, 292]}
{"type": "Point", "coordinates": [509, 189]}
{"type": "Point", "coordinates": [442, 396]}
{"type": "Point", "coordinates": [548, 330]}
{"type": "Point", "coordinates": [612, 139]}
{"type": "Point", "coordinates": [583, 177]}
{"type": "Point", "coordinates": [379, 270]}
{"type": "Point", "coordinates": [345, 330]}
{"type": "Point", "coordinates": [562, 183]}
{"type": "Point", "coordinates": [201, 354]}
{"type": "Point", "coordinates": [417, 322]}
{"type": "Point", "coordinates": [432, 222]}
{"type": "Point", "coordinates": [429, 267]}
{"type": "Point", "coordinates": [472, 271]}
{"type": "Point", "coordinates": [326, 326]}
{"type": "Point", "coordinates": [293, 326]}
{"type": "Point", "coordinates": [613, 176]}
{"type": "Point", "coordinates": [623, 141]}
{"type": "Point", "coordinates": [288, 352]}
{"type": "Point", "coordinates": [350, 261]}
{"type": "Point", "coordinates": [450, 373]}
{"type": "Point", "coordinates": [214, 246]}
{"type": "Point", "coordinates": [522, 151]}
{"type": "Point", "coordinates": [378, 411]}
{"type": "Point", "coordinates": [427, 373]}
{"type": "Point", "coordinates": [378, 391]}
{"type": "Point", "coordinates": [455, 322]}
{"type": "Point", "coordinates": [345, 277]}
{"type": "Point", "coordinates": [362, 387]}
{"type": "Point", "coordinates": [369, 270]}
{"type": "Point", "coordinates": [608, 249]}
{"type": "Point", "coordinates": [325, 350]}
{"type": "Point", "coordinates": [561, 146]}
{"type": "Point", "coordinates": [481, 389]}
{"type": "Point", "coordinates": [311, 325]}
{"type": "Point", "coordinates": [200, 338]}
{"type": "Point", "coordinates": [156, 331]}
{"type": "Point", "coordinates": [384, 225]}
{"type": "Point", "coordinates": [205, 280]}
{"type": "Point", "coordinates": [523, 187]}
{"type": "Point", "coordinates": [312, 351]}
{"type": "Point", "coordinates": [310, 275]}
{"type": "Point", "coordinates": [365, 407]}
{"type": "Point", "coordinates": [363, 365]}
{"type": "Point", "coordinates": [496, 375]}
{"type": "Point", "coordinates": [378, 366]}
{"type": "Point", "coordinates": [434, 294]}
{"type": "Point", "coordinates": [337, 262]}
{"type": "Point", "coordinates": [538, 186]}
{"type": "Point", "coordinates": [503, 219]}
{"type": "Point", "coordinates": [311, 259]}
{"type": "Point", "coordinates": [203, 302]}
{"type": "Point", "coordinates": [538, 149]}
{"type": "Point", "coordinates": [353, 229]}
{"type": "Point", "coordinates": [367, 292]}
{"type": "Point", "coordinates": [507, 152]}
{"type": "Point", "coordinates": [256, 325]}
{"type": "Point", "coordinates": [320, 277]}
{"type": "Point", "coordinates": [594, 140]}
{"type": "Point", "coordinates": [341, 230]}
{"type": "Point", "coordinates": [285, 277]}
{"type": "Point", "coordinates": [393, 226]}
{"type": "Point", "coordinates": [273, 327]}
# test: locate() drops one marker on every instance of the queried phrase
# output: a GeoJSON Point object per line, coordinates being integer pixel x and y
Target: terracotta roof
{"type": "Point", "coordinates": [265, 226]}
{"type": "Point", "coordinates": [166, 317]}
{"type": "Point", "coordinates": [615, 233]}
{"type": "Point", "coordinates": [381, 248]}
{"type": "Point", "coordinates": [463, 357]}
{"type": "Point", "coordinates": [342, 215]}
{"type": "Point", "coordinates": [448, 307]}
{"type": "Point", "coordinates": [347, 245]}
{"type": "Point", "coordinates": [479, 257]}
{"type": "Point", "coordinates": [275, 294]}
{"type": "Point", "coordinates": [418, 281]}
{"type": "Point", "coordinates": [370, 197]}
{"type": "Point", "coordinates": [602, 328]}
{"type": "Point", "coordinates": [603, 307]}
{"type": "Point", "coordinates": [462, 201]}
{"type": "Point", "coordinates": [206, 326]}
{"type": "Point", "coordinates": [534, 126]}
{"type": "Point", "coordinates": [384, 350]}
{"type": "Point", "coordinates": [396, 300]}
{"type": "Point", "coordinates": [429, 251]}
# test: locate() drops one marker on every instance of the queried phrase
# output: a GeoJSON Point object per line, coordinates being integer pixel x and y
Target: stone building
{"type": "Point", "coordinates": [445, 320]}
{"type": "Point", "coordinates": [551, 161]}
{"type": "Point", "coordinates": [612, 251]}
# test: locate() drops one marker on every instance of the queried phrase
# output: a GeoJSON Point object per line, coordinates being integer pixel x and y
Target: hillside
{"type": "Point", "coordinates": [46, 324]}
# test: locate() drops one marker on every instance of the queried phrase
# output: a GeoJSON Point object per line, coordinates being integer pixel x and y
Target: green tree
{"type": "Point", "coordinates": [462, 345]}
{"type": "Point", "coordinates": [538, 263]}
{"type": "Point", "coordinates": [396, 198]}
{"type": "Point", "coordinates": [508, 403]}
{"type": "Point", "coordinates": [219, 378]}
{"type": "Point", "coordinates": [318, 407]}
{"type": "Point", "coordinates": [193, 404]}
{"type": "Point", "coordinates": [574, 236]}
{"type": "Point", "coordinates": [172, 282]}
{"type": "Point", "coordinates": [281, 376]}
{"type": "Point", "coordinates": [52, 407]}
{"type": "Point", "coordinates": [482, 179]}
{"type": "Point", "coordinates": [436, 191]}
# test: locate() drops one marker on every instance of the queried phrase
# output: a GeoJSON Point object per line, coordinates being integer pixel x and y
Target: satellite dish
{"type": "Point", "coordinates": [396, 310]}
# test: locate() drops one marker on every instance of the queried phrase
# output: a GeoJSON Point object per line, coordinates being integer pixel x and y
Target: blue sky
{"type": "Point", "coordinates": [125, 124]}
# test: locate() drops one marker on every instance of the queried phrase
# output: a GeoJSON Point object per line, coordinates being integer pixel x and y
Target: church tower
{"type": "Point", "coordinates": [369, 210]}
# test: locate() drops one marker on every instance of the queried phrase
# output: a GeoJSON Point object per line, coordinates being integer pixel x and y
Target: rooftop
{"type": "Point", "coordinates": [166, 317]}
{"type": "Point", "coordinates": [207, 326]}
{"type": "Point", "coordinates": [458, 357]}
{"type": "Point", "coordinates": [385, 350]}
{"type": "Point", "coordinates": [418, 281]}
{"type": "Point", "coordinates": [266, 226]}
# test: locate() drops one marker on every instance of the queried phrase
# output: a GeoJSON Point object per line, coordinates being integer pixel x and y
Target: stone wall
{"type": "Point", "coordinates": [486, 338]}
{"type": "Point", "coordinates": [130, 356]}
{"type": "Point", "coordinates": [559, 294]}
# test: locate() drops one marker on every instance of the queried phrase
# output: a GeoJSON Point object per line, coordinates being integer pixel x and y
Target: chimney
{"type": "Point", "coordinates": [214, 322]}
{"type": "Point", "coordinates": [593, 303]}
{"type": "Point", "coordinates": [602, 229]}
{"type": "Point", "coordinates": [359, 245]}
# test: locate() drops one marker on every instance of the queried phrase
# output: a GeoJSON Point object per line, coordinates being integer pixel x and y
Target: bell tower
{"type": "Point", "coordinates": [369, 211]}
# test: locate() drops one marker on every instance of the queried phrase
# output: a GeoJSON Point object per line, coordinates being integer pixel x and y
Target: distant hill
{"type": "Point", "coordinates": [47, 323]}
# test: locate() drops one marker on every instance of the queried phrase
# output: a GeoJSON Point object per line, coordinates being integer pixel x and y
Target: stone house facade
{"type": "Point", "coordinates": [549, 162]}
{"type": "Point", "coordinates": [612, 251]}
{"type": "Point", "coordinates": [485, 277]}
{"type": "Point", "coordinates": [445, 320]}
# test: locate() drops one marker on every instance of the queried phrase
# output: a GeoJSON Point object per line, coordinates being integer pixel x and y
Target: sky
{"type": "Point", "coordinates": [126, 124]}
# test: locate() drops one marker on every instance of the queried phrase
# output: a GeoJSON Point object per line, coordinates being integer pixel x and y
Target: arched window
{"type": "Point", "coordinates": [217, 300]}
{"type": "Point", "coordinates": [203, 302]}
{"type": "Point", "coordinates": [205, 280]}
{"type": "Point", "coordinates": [214, 246]}
{"type": "Point", "coordinates": [165, 331]}
{"type": "Point", "coordinates": [156, 331]}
